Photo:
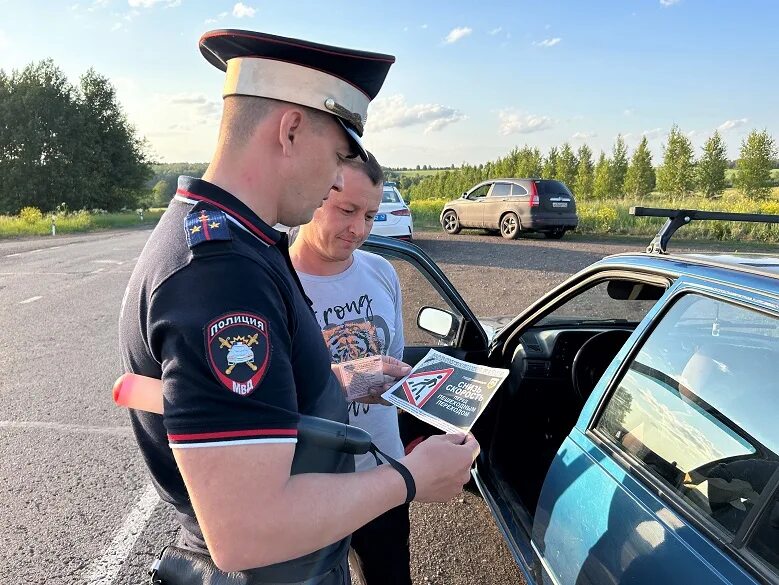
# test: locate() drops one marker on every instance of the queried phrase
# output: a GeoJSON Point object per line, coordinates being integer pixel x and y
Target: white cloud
{"type": "Point", "coordinates": [4, 40]}
{"type": "Point", "coordinates": [548, 42]}
{"type": "Point", "coordinates": [495, 31]}
{"type": "Point", "coordinates": [394, 112]}
{"type": "Point", "coordinates": [198, 104]}
{"type": "Point", "coordinates": [516, 123]}
{"type": "Point", "coordinates": [456, 34]}
{"type": "Point", "coordinates": [242, 10]}
{"type": "Point", "coordinates": [627, 112]}
{"type": "Point", "coordinates": [669, 2]}
{"type": "Point", "coordinates": [424, 26]}
{"type": "Point", "coordinates": [583, 135]}
{"type": "Point", "coordinates": [116, 26]}
{"type": "Point", "coordinates": [653, 133]}
{"type": "Point", "coordinates": [220, 16]}
{"type": "Point", "coordinates": [151, 3]}
{"type": "Point", "coordinates": [730, 124]}
{"type": "Point", "coordinates": [443, 122]}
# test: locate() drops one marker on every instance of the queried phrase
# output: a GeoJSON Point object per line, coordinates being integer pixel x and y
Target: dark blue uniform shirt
{"type": "Point", "coordinates": [215, 309]}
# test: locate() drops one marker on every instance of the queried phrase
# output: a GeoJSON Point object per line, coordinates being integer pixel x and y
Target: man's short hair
{"type": "Point", "coordinates": [240, 118]}
{"type": "Point", "coordinates": [242, 114]}
{"type": "Point", "coordinates": [371, 168]}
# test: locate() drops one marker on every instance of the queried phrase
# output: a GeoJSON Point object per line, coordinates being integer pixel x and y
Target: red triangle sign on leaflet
{"type": "Point", "coordinates": [420, 386]}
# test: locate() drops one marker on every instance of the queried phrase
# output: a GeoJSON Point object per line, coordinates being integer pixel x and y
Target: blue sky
{"type": "Point", "coordinates": [471, 80]}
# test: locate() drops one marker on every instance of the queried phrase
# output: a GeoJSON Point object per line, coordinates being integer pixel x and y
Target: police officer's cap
{"type": "Point", "coordinates": [335, 80]}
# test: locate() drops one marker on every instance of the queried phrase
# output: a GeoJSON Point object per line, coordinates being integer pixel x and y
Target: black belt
{"type": "Point", "coordinates": [179, 566]}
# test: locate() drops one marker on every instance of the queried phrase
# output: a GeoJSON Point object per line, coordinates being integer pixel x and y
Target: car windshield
{"type": "Point", "coordinates": [607, 302]}
{"type": "Point", "coordinates": [391, 195]}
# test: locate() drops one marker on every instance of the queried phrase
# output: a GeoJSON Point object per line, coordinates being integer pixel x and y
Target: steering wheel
{"type": "Point", "coordinates": [593, 357]}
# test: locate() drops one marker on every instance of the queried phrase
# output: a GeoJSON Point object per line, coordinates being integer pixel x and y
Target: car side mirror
{"type": "Point", "coordinates": [464, 195]}
{"type": "Point", "coordinates": [439, 323]}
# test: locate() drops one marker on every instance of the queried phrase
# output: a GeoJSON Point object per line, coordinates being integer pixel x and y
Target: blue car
{"type": "Point", "coordinates": [636, 438]}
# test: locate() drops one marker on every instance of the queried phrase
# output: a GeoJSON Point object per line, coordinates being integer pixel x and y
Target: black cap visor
{"type": "Point", "coordinates": [354, 140]}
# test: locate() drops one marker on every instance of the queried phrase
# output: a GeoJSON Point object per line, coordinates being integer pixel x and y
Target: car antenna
{"type": "Point", "coordinates": [676, 218]}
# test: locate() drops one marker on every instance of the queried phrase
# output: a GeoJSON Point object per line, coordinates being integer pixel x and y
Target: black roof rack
{"type": "Point", "coordinates": [679, 217]}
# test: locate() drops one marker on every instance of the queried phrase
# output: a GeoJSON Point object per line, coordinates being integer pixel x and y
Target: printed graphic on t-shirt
{"type": "Point", "coordinates": [361, 307]}
{"type": "Point", "coordinates": [356, 339]}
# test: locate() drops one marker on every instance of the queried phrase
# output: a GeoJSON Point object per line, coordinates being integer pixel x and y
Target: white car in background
{"type": "Point", "coordinates": [394, 216]}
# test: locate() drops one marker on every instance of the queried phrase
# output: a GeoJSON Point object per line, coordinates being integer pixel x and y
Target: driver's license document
{"type": "Point", "coordinates": [448, 393]}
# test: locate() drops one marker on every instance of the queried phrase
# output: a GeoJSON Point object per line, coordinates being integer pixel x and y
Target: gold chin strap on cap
{"type": "Point", "coordinates": [288, 82]}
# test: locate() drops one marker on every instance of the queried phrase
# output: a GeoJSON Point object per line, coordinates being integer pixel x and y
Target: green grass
{"type": "Point", "coordinates": [79, 221]}
{"type": "Point", "coordinates": [426, 212]}
{"type": "Point", "coordinates": [600, 218]}
{"type": "Point", "coordinates": [419, 173]}
{"type": "Point", "coordinates": [730, 172]}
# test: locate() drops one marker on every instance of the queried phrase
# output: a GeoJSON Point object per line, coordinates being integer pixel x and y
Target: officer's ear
{"type": "Point", "coordinates": [289, 129]}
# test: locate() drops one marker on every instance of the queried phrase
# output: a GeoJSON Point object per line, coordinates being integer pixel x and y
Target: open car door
{"type": "Point", "coordinates": [424, 285]}
{"type": "Point", "coordinates": [435, 316]}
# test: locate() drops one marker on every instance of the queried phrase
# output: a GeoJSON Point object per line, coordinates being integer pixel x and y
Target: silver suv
{"type": "Point", "coordinates": [513, 206]}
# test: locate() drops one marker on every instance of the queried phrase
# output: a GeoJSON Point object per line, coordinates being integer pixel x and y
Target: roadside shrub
{"type": "Point", "coordinates": [30, 215]}
{"type": "Point", "coordinates": [426, 211]}
{"type": "Point", "coordinates": [769, 207]}
{"type": "Point", "coordinates": [79, 221]}
{"type": "Point", "coordinates": [597, 219]}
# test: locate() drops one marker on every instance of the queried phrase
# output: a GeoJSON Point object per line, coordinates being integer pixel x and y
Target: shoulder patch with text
{"type": "Point", "coordinates": [238, 350]}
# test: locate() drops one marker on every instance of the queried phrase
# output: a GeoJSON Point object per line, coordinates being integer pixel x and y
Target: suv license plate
{"type": "Point", "coordinates": [380, 217]}
{"type": "Point", "coordinates": [559, 204]}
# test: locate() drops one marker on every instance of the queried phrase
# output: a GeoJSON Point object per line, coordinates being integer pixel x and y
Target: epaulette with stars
{"type": "Point", "coordinates": [206, 225]}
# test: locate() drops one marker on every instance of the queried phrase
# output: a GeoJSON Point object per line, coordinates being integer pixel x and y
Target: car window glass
{"type": "Point", "coordinates": [518, 190]}
{"type": "Point", "coordinates": [697, 406]}
{"type": "Point", "coordinates": [765, 540]}
{"type": "Point", "coordinates": [596, 304]}
{"type": "Point", "coordinates": [480, 192]}
{"type": "Point", "coordinates": [501, 190]}
{"type": "Point", "coordinates": [418, 292]}
{"type": "Point", "coordinates": [390, 195]}
{"type": "Point", "coordinates": [552, 188]}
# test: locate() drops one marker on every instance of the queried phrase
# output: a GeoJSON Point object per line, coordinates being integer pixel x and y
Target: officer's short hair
{"type": "Point", "coordinates": [242, 114]}
{"type": "Point", "coordinates": [240, 118]}
{"type": "Point", "coordinates": [371, 168]}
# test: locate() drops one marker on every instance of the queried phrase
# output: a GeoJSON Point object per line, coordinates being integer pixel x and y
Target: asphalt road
{"type": "Point", "coordinates": [75, 500]}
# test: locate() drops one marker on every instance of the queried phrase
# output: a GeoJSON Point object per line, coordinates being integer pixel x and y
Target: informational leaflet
{"type": "Point", "coordinates": [361, 377]}
{"type": "Point", "coordinates": [448, 393]}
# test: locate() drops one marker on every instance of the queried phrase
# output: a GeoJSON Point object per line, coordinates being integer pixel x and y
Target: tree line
{"type": "Point", "coordinates": [68, 144]}
{"type": "Point", "coordinates": [71, 144]}
{"type": "Point", "coordinates": [618, 175]}
{"type": "Point", "coordinates": [165, 176]}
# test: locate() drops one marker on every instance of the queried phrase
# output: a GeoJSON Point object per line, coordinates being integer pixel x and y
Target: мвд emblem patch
{"type": "Point", "coordinates": [238, 349]}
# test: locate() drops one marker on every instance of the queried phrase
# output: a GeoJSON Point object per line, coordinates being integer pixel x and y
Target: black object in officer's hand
{"type": "Point", "coordinates": [144, 393]}
{"type": "Point", "coordinates": [328, 434]}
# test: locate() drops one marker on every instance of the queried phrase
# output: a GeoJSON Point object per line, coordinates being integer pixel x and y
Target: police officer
{"type": "Point", "coordinates": [214, 309]}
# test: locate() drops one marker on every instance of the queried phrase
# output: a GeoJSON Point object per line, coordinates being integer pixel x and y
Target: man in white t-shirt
{"type": "Point", "coordinates": [357, 301]}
